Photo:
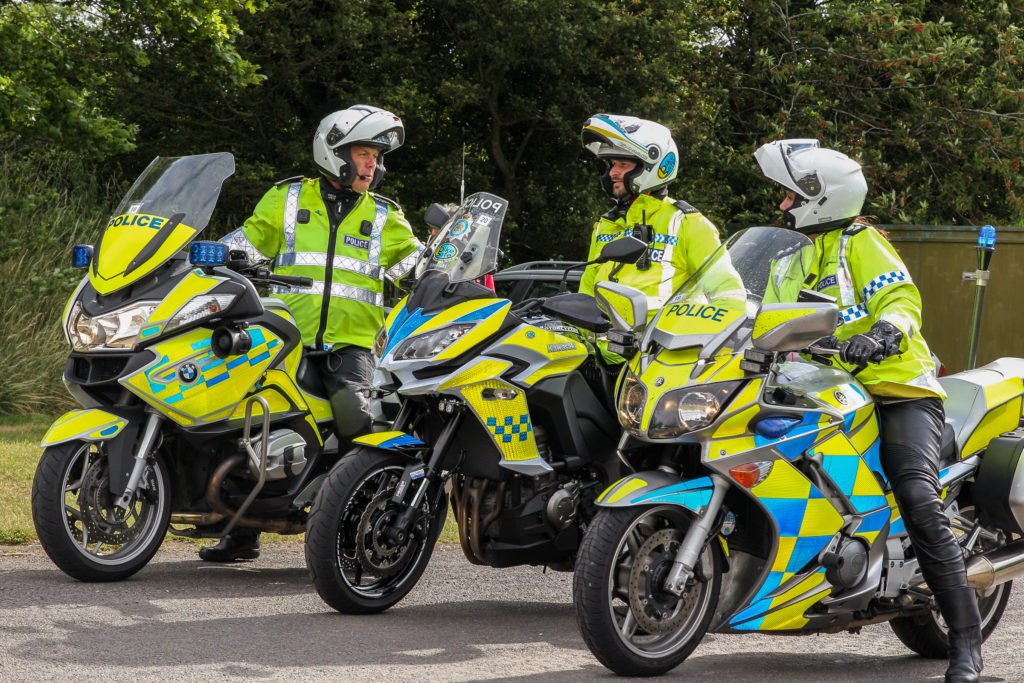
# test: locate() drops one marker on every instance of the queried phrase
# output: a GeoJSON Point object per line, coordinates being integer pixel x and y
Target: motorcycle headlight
{"type": "Point", "coordinates": [429, 344]}
{"type": "Point", "coordinates": [108, 332]}
{"type": "Point", "coordinates": [632, 399]}
{"type": "Point", "coordinates": [690, 408]}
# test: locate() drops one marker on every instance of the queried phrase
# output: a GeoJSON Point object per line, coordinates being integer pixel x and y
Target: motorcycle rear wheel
{"type": "Point", "coordinates": [928, 636]}
{"type": "Point", "coordinates": [625, 553]}
{"type": "Point", "coordinates": [81, 529]}
{"type": "Point", "coordinates": [354, 567]}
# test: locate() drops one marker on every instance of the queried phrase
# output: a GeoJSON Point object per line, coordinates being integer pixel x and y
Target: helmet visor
{"type": "Point", "coordinates": [807, 182]}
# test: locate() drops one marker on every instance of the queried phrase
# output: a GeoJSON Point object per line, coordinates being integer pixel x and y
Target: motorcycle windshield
{"type": "Point", "coordinates": [165, 209]}
{"type": "Point", "coordinates": [717, 305]}
{"type": "Point", "coordinates": [466, 247]}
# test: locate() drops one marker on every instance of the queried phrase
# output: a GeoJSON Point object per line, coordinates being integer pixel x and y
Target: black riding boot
{"type": "Point", "coordinates": [960, 609]}
{"type": "Point", "coordinates": [241, 544]}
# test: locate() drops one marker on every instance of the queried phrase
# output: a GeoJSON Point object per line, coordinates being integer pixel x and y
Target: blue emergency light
{"type": "Point", "coordinates": [81, 255]}
{"type": "Point", "coordinates": [987, 237]}
{"type": "Point", "coordinates": [208, 254]}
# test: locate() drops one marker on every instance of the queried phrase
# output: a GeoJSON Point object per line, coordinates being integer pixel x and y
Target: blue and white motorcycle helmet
{"type": "Point", "coordinates": [610, 136]}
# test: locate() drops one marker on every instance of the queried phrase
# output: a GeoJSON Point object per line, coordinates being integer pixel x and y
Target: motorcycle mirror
{"type": "Point", "coordinates": [622, 250]}
{"type": "Point", "coordinates": [436, 216]}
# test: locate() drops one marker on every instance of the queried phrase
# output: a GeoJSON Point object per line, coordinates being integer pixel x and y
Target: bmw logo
{"type": "Point", "coordinates": [188, 373]}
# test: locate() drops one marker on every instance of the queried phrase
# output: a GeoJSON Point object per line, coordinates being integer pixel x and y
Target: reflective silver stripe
{"type": "Point", "coordinates": [397, 271]}
{"type": "Point", "coordinates": [847, 294]}
{"type": "Point", "coordinates": [319, 259]}
{"type": "Point", "coordinates": [337, 290]}
{"type": "Point", "coordinates": [379, 219]}
{"type": "Point", "coordinates": [236, 239]}
{"type": "Point", "coordinates": [668, 270]}
{"type": "Point", "coordinates": [291, 212]}
{"type": "Point", "coordinates": [902, 322]}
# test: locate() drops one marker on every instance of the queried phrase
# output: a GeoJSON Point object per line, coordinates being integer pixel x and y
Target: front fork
{"type": "Point", "coordinates": [426, 474]}
{"type": "Point", "coordinates": [150, 432]}
{"type": "Point", "coordinates": [695, 539]}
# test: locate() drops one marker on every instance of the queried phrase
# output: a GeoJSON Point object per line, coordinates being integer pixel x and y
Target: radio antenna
{"type": "Point", "coordinates": [462, 190]}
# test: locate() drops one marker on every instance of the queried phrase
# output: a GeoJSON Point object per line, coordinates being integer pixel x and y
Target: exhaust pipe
{"type": "Point", "coordinates": [996, 567]}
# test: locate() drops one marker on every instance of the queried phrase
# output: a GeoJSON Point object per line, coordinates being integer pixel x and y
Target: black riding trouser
{"type": "Point", "coordinates": [911, 440]}
{"type": "Point", "coordinates": [347, 374]}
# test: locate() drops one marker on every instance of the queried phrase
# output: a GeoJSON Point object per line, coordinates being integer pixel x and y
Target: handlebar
{"type": "Point", "coordinates": [818, 349]}
{"type": "Point", "coordinates": [290, 280]}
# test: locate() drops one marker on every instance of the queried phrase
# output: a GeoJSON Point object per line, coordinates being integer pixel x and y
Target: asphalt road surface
{"type": "Point", "coordinates": [182, 619]}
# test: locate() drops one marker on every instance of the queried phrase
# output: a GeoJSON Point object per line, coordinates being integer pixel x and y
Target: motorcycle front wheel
{"type": "Point", "coordinates": [356, 568]}
{"type": "Point", "coordinates": [629, 623]}
{"type": "Point", "coordinates": [79, 526]}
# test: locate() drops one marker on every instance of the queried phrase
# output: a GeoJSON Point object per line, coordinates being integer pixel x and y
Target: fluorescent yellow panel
{"type": "Point", "coordinates": [783, 482]}
{"type": "Point", "coordinates": [557, 367]}
{"type": "Point", "coordinates": [1003, 391]}
{"type": "Point", "coordinates": [785, 551]}
{"type": "Point", "coordinates": [626, 489]}
{"type": "Point", "coordinates": [865, 484]}
{"type": "Point", "coordinates": [1005, 418]}
{"type": "Point", "coordinates": [820, 518]}
{"type": "Point", "coordinates": [193, 284]}
{"type": "Point", "coordinates": [482, 371]}
{"type": "Point", "coordinates": [737, 424]}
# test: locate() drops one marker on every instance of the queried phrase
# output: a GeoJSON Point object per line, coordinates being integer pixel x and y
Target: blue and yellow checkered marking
{"type": "Point", "coordinates": [509, 428]}
{"type": "Point", "coordinates": [212, 370]}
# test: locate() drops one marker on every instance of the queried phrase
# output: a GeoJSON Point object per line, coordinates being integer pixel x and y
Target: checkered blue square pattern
{"type": "Point", "coordinates": [613, 236]}
{"type": "Point", "coordinates": [848, 315]}
{"type": "Point", "coordinates": [509, 429]}
{"type": "Point", "coordinates": [660, 238]}
{"type": "Point", "coordinates": [882, 281]}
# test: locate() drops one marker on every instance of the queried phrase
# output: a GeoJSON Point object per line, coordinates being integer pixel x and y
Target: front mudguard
{"type": "Point", "coordinates": [393, 442]}
{"type": "Point", "coordinates": [658, 488]}
{"type": "Point", "coordinates": [117, 432]}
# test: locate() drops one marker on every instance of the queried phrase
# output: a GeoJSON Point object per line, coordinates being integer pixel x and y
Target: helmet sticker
{"type": "Point", "coordinates": [668, 164]}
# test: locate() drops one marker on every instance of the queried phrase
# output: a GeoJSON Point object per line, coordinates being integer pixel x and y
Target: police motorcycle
{"type": "Point", "coordinates": [199, 410]}
{"type": "Point", "coordinates": [757, 501]}
{"type": "Point", "coordinates": [497, 404]}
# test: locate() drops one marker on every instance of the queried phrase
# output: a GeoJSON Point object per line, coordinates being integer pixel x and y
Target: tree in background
{"type": "Point", "coordinates": [928, 95]}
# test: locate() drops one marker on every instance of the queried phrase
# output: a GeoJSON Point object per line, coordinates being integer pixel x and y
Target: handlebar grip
{"type": "Point", "coordinates": [292, 280]}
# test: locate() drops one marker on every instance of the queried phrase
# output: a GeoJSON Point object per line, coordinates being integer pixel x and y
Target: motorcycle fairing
{"type": "Point", "coordinates": [391, 441]}
{"type": "Point", "coordinates": [657, 488]}
{"type": "Point", "coordinates": [196, 283]}
{"type": "Point", "coordinates": [503, 411]}
{"type": "Point", "coordinates": [90, 424]}
{"type": "Point", "coordinates": [187, 381]}
{"type": "Point", "coordinates": [545, 352]}
{"type": "Point", "coordinates": [166, 207]}
{"type": "Point", "coordinates": [486, 314]}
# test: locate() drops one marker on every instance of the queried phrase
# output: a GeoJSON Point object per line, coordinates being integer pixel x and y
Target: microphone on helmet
{"type": "Point", "coordinates": [365, 177]}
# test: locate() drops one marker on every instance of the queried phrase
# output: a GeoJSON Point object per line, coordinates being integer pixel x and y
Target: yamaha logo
{"type": "Point", "coordinates": [841, 397]}
{"type": "Point", "coordinates": [188, 373]}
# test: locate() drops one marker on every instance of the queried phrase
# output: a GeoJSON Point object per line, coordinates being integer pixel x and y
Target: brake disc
{"type": "Point", "coordinates": [374, 551]}
{"type": "Point", "coordinates": [102, 518]}
{"type": "Point", "coordinates": [656, 611]}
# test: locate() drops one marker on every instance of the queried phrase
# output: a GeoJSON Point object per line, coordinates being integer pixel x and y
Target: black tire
{"type": "Point", "coordinates": [927, 634]}
{"type": "Point", "coordinates": [79, 526]}
{"type": "Point", "coordinates": [351, 507]}
{"type": "Point", "coordinates": [604, 592]}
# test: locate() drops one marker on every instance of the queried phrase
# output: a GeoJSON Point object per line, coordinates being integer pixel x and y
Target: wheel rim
{"type": "Point", "coordinates": [98, 529]}
{"type": "Point", "coordinates": [648, 621]}
{"type": "Point", "coordinates": [371, 564]}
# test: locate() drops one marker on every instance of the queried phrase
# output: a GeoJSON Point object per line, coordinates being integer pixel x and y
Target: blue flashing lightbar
{"type": "Point", "coordinates": [81, 255]}
{"type": "Point", "coordinates": [208, 254]}
{"type": "Point", "coordinates": [987, 237]}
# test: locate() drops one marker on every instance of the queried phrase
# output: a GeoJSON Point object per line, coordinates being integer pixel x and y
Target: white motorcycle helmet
{"type": "Point", "coordinates": [608, 136]}
{"type": "Point", "coordinates": [363, 125]}
{"type": "Point", "coordinates": [829, 186]}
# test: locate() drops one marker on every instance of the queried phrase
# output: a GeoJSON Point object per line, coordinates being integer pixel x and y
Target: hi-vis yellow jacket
{"type": "Point", "coordinates": [347, 262]}
{"type": "Point", "coordinates": [862, 270]}
{"type": "Point", "coordinates": [680, 237]}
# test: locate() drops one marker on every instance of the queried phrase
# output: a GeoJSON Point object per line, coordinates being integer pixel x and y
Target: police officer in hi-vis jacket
{"type": "Point", "coordinates": [333, 229]}
{"type": "Point", "coordinates": [880, 318]}
{"type": "Point", "coordinates": [641, 160]}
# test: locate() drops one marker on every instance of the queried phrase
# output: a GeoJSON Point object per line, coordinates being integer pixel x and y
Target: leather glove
{"type": "Point", "coordinates": [874, 346]}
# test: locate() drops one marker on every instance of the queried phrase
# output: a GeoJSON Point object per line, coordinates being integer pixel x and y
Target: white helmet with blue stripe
{"type": "Point", "coordinates": [609, 136]}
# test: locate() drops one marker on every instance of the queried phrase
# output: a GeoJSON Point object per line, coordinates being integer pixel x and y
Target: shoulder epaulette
{"type": "Point", "coordinates": [289, 181]}
{"type": "Point", "coordinates": [386, 200]}
{"type": "Point", "coordinates": [854, 228]}
{"type": "Point", "coordinates": [685, 207]}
